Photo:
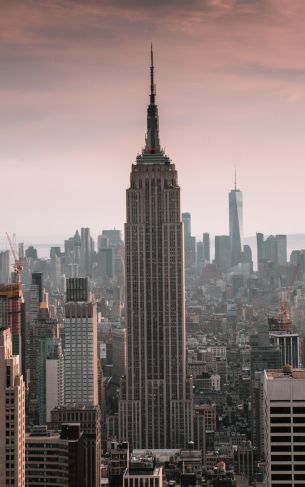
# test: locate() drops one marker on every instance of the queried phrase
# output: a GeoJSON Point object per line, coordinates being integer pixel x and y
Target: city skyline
{"type": "Point", "coordinates": [232, 94]}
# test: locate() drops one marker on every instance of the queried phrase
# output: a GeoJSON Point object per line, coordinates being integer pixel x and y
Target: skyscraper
{"type": "Point", "coordinates": [284, 426]}
{"type": "Point", "coordinates": [236, 224]}
{"type": "Point", "coordinates": [12, 415]}
{"type": "Point", "coordinates": [80, 350]}
{"type": "Point", "coordinates": [281, 249]}
{"type": "Point", "coordinates": [206, 247]}
{"type": "Point", "coordinates": [4, 267]}
{"type": "Point", "coordinates": [222, 252]}
{"type": "Point", "coordinates": [86, 252]}
{"type": "Point", "coordinates": [187, 221]}
{"type": "Point", "coordinates": [10, 313]}
{"type": "Point", "coordinates": [156, 407]}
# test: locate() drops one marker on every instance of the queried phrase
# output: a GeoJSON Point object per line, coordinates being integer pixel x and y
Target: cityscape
{"type": "Point", "coordinates": [159, 353]}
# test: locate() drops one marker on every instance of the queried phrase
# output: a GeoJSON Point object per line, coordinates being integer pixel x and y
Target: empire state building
{"type": "Point", "coordinates": [156, 403]}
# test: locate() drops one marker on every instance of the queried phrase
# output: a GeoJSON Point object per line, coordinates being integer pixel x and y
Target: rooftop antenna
{"type": "Point", "coordinates": [235, 185]}
{"type": "Point", "coordinates": [152, 81]}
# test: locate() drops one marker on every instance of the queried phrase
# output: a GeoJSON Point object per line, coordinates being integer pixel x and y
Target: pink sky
{"type": "Point", "coordinates": [73, 94]}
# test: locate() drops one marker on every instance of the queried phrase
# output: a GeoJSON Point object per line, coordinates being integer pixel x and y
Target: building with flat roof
{"type": "Point", "coordinates": [89, 418]}
{"type": "Point", "coordinates": [284, 426]}
{"type": "Point", "coordinates": [80, 345]}
{"type": "Point", "coordinates": [53, 456]}
{"type": "Point", "coordinates": [142, 471]}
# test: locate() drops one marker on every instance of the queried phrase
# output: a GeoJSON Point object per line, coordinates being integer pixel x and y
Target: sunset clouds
{"type": "Point", "coordinates": [74, 88]}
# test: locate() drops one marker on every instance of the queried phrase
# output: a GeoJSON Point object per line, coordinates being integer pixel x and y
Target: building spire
{"type": "Point", "coordinates": [152, 81]}
{"type": "Point", "coordinates": [152, 138]}
{"type": "Point", "coordinates": [235, 178]}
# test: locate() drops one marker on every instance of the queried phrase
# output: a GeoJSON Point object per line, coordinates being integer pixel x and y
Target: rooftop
{"type": "Point", "coordinates": [286, 373]}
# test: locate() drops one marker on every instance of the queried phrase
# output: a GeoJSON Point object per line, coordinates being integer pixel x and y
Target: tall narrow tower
{"type": "Point", "coordinates": [12, 415]}
{"type": "Point", "coordinates": [236, 224]}
{"type": "Point", "coordinates": [155, 409]}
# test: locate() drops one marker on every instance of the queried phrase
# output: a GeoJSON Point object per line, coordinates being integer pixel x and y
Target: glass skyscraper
{"type": "Point", "coordinates": [236, 224]}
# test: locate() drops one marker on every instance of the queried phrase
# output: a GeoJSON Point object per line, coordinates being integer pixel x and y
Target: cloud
{"type": "Point", "coordinates": [74, 86]}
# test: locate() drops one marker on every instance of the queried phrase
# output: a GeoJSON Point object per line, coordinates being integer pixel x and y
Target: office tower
{"type": "Point", "coordinates": [187, 228]}
{"type": "Point", "coordinates": [193, 254]}
{"type": "Point", "coordinates": [262, 356]}
{"type": "Point", "coordinates": [247, 254]}
{"type": "Point", "coordinates": [33, 300]}
{"type": "Point", "coordinates": [206, 247]}
{"type": "Point", "coordinates": [113, 236]}
{"type": "Point", "coordinates": [236, 224]}
{"type": "Point", "coordinates": [260, 248]}
{"type": "Point", "coordinates": [72, 256]}
{"type": "Point", "coordinates": [89, 418]}
{"type": "Point", "coordinates": [200, 429]}
{"type": "Point", "coordinates": [51, 375]}
{"type": "Point", "coordinates": [55, 268]}
{"type": "Point", "coordinates": [12, 415]}
{"type": "Point", "coordinates": [44, 331]}
{"type": "Point", "coordinates": [31, 253]}
{"type": "Point", "coordinates": [106, 263]}
{"type": "Point", "coordinates": [270, 253]}
{"type": "Point", "coordinates": [200, 254]}
{"type": "Point", "coordinates": [102, 243]}
{"type": "Point", "coordinates": [281, 249]}
{"type": "Point", "coordinates": [156, 406]}
{"type": "Point", "coordinates": [119, 354]}
{"type": "Point", "coordinates": [80, 349]}
{"type": "Point", "coordinates": [297, 259]}
{"type": "Point", "coordinates": [36, 293]}
{"type": "Point", "coordinates": [10, 313]}
{"type": "Point", "coordinates": [54, 458]}
{"type": "Point", "coordinates": [284, 426]}
{"type": "Point", "coordinates": [86, 251]}
{"type": "Point", "coordinates": [4, 267]}
{"type": "Point", "coordinates": [222, 252]}
{"type": "Point", "coordinates": [186, 218]}
{"type": "Point", "coordinates": [77, 290]}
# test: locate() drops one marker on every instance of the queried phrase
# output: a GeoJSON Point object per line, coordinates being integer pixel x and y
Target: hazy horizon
{"type": "Point", "coordinates": [294, 242]}
{"type": "Point", "coordinates": [230, 80]}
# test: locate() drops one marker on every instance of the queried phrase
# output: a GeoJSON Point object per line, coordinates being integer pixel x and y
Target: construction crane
{"type": "Point", "coordinates": [17, 264]}
{"type": "Point", "coordinates": [282, 320]}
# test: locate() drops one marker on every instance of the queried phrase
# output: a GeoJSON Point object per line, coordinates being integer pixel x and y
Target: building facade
{"type": "Point", "coordinates": [156, 407]}
{"type": "Point", "coordinates": [89, 418]}
{"type": "Point", "coordinates": [11, 314]}
{"type": "Point", "coordinates": [54, 458]}
{"type": "Point", "coordinates": [80, 345]}
{"type": "Point", "coordinates": [236, 224]}
{"type": "Point", "coordinates": [284, 426]}
{"type": "Point", "coordinates": [12, 416]}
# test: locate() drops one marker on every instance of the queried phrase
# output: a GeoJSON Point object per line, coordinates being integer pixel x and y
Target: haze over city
{"type": "Point", "coordinates": [152, 243]}
{"type": "Point", "coordinates": [74, 88]}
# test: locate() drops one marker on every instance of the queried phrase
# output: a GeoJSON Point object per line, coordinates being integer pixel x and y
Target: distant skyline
{"type": "Point", "coordinates": [74, 88]}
